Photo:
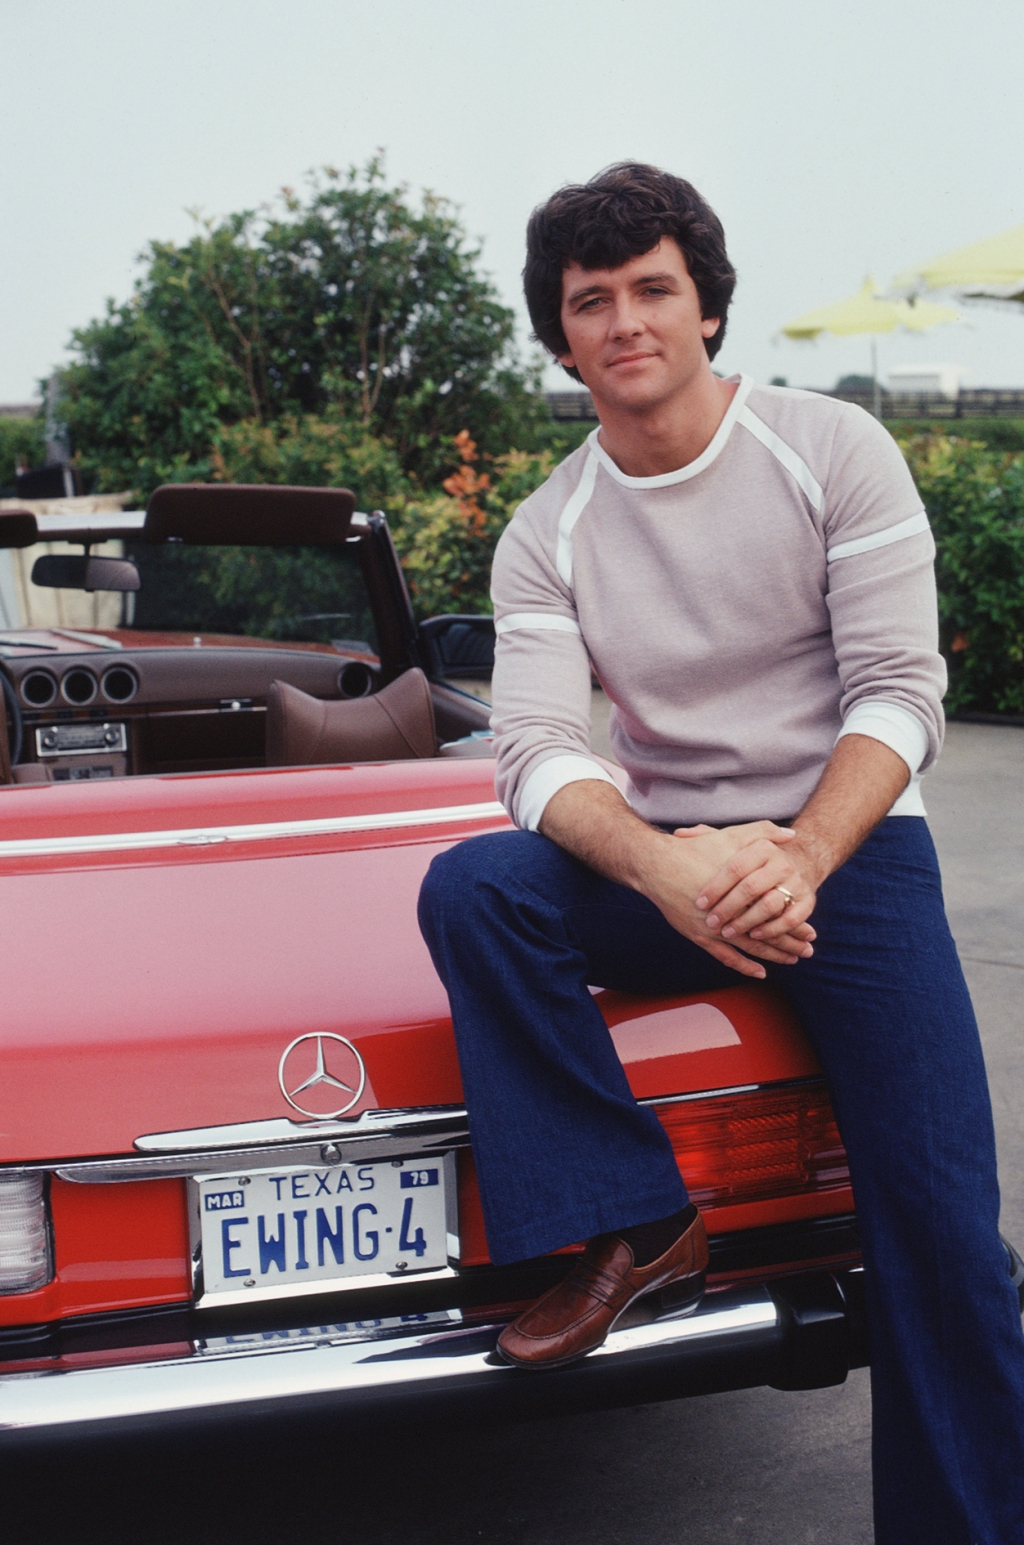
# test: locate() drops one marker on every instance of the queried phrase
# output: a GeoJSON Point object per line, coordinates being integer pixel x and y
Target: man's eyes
{"type": "Point", "coordinates": [593, 301]}
{"type": "Point", "coordinates": [657, 291]}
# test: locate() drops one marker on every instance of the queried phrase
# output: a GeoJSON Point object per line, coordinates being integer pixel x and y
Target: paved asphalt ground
{"type": "Point", "coordinates": [754, 1468]}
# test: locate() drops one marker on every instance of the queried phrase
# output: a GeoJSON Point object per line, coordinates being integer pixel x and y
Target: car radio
{"type": "Point", "coordinates": [80, 739]}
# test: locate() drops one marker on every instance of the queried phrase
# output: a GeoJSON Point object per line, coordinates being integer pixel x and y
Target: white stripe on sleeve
{"type": "Point", "coordinates": [866, 544]}
{"type": "Point", "coordinates": [541, 622]}
{"type": "Point", "coordinates": [578, 502]}
{"type": "Point", "coordinates": [894, 726]}
{"type": "Point", "coordinates": [546, 780]}
{"type": "Point", "coordinates": [785, 455]}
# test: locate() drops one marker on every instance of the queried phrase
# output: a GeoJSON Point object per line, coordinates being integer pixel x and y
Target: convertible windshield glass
{"type": "Point", "coordinates": [292, 594]}
{"type": "Point", "coordinates": [298, 594]}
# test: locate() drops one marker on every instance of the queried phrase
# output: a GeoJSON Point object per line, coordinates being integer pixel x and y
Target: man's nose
{"type": "Point", "coordinates": [626, 320]}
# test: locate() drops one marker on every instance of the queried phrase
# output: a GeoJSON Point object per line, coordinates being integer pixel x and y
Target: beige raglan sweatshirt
{"type": "Point", "coordinates": [741, 614]}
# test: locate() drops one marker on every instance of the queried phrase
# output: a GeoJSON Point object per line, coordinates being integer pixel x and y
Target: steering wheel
{"type": "Point", "coordinates": [15, 721]}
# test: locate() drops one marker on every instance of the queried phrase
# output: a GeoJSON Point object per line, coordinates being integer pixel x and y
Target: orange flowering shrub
{"type": "Point", "coordinates": [447, 543]}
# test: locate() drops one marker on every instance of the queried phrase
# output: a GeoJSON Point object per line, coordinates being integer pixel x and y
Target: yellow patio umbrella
{"type": "Point", "coordinates": [988, 270]}
{"type": "Point", "coordinates": [866, 311]}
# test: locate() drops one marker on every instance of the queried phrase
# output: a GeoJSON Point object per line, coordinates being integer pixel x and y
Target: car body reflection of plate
{"type": "Point", "coordinates": [386, 1328]}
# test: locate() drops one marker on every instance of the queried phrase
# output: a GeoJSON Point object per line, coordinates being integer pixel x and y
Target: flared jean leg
{"type": "Point", "coordinates": [885, 1005]}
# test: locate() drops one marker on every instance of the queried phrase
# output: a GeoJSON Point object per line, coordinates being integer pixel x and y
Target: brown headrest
{"type": "Point", "coordinates": [393, 725]}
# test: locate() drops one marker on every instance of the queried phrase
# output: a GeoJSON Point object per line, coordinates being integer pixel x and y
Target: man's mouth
{"type": "Point", "coordinates": [630, 359]}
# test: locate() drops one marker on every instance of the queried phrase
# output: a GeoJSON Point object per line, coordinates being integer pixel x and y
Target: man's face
{"type": "Point", "coordinates": [635, 333]}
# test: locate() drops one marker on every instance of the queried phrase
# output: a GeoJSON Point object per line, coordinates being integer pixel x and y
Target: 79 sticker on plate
{"type": "Point", "coordinates": [277, 1232]}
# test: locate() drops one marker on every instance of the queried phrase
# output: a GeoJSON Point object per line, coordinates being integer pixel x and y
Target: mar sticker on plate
{"type": "Point", "coordinates": [276, 1233]}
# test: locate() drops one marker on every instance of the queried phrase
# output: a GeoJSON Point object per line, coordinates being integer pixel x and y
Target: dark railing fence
{"type": "Point", "coordinates": [971, 402]}
{"type": "Point", "coordinates": [571, 405]}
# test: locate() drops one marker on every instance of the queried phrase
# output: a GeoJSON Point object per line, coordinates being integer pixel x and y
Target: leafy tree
{"type": "Point", "coordinates": [324, 452]}
{"type": "Point", "coordinates": [347, 305]}
{"type": "Point", "coordinates": [21, 441]}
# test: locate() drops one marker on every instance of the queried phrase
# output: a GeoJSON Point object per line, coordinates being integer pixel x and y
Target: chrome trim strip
{"type": "Point", "coordinates": [248, 1134]}
{"type": "Point", "coordinates": [700, 1094]}
{"type": "Point", "coordinates": [199, 836]}
{"type": "Point", "coordinates": [448, 1360]}
{"type": "Point", "coordinates": [375, 1134]}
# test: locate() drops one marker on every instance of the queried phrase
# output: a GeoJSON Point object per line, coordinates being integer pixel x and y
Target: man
{"type": "Point", "coordinates": [749, 571]}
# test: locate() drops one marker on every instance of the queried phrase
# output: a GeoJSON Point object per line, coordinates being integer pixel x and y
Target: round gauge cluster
{"type": "Point", "coordinates": [79, 686]}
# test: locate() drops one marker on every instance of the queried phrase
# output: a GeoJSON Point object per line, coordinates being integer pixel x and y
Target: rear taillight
{"type": "Point", "coordinates": [26, 1259]}
{"type": "Point", "coordinates": [735, 1148]}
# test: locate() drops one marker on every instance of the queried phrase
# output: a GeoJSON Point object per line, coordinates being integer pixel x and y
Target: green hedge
{"type": "Point", "coordinates": [21, 439]}
{"type": "Point", "coordinates": [999, 434]}
{"type": "Point", "coordinates": [974, 496]}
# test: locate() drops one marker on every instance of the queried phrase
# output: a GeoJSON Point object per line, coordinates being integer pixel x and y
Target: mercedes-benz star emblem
{"type": "Point", "coordinates": [295, 1077]}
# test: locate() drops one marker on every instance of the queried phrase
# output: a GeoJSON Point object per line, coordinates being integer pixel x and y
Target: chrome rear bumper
{"type": "Point", "coordinates": [796, 1335]}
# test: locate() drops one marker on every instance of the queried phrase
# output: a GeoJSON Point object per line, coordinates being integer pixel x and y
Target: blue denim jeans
{"type": "Point", "coordinates": [518, 929]}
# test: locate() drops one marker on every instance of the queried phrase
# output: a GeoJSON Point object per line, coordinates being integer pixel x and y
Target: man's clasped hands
{"type": "Point", "coordinates": [744, 876]}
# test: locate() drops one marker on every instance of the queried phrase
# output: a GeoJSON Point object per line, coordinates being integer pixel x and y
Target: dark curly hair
{"type": "Point", "coordinates": [620, 214]}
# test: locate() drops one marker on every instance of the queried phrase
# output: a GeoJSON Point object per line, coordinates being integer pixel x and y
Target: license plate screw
{"type": "Point", "coordinates": [401, 1265]}
{"type": "Point", "coordinates": [250, 1282]}
{"type": "Point", "coordinates": [397, 1163]}
{"type": "Point", "coordinates": [244, 1180]}
{"type": "Point", "coordinates": [330, 1153]}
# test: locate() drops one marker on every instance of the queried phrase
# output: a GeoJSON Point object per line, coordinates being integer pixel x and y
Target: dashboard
{"type": "Point", "coordinates": [163, 710]}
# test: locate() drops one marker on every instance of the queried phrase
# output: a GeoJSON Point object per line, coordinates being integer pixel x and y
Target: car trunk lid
{"type": "Point", "coordinates": [167, 939]}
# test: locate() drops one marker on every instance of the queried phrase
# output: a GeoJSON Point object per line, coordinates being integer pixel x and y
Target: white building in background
{"type": "Point", "coordinates": [24, 605]}
{"type": "Point", "coordinates": [937, 380]}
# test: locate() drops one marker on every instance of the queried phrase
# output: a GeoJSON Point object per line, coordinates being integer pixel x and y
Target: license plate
{"type": "Point", "coordinates": [277, 1233]}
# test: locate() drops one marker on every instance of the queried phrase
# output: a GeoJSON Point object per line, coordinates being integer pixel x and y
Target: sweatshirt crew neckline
{"type": "Point", "coordinates": [710, 453]}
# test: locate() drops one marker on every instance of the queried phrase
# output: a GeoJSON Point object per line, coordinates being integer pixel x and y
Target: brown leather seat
{"type": "Point", "coordinates": [394, 724]}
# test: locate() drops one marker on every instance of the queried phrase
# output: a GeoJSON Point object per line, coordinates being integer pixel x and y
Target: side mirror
{"type": "Point", "coordinates": [459, 645]}
{"type": "Point", "coordinates": [61, 571]}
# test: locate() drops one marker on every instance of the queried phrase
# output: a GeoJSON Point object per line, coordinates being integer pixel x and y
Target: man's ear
{"type": "Point", "coordinates": [709, 326]}
{"type": "Point", "coordinates": [568, 362]}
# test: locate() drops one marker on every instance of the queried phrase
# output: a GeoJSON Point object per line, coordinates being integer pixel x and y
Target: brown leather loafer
{"type": "Point", "coordinates": [575, 1317]}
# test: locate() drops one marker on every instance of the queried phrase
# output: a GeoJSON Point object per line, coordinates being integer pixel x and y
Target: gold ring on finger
{"type": "Point", "coordinates": [787, 895]}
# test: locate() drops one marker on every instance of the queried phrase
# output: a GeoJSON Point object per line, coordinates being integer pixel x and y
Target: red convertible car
{"type": "Point", "coordinates": [235, 1172]}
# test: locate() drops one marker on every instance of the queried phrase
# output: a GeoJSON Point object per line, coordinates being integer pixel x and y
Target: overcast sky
{"type": "Point", "coordinates": [834, 139]}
